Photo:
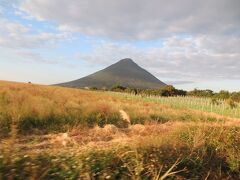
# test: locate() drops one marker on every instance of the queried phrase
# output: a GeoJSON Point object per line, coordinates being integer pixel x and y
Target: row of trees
{"type": "Point", "coordinates": [168, 90]}
{"type": "Point", "coordinates": [225, 95]}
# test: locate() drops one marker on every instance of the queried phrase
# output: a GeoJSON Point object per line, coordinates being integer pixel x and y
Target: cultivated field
{"type": "Point", "coordinates": [220, 107]}
{"type": "Point", "coordinates": [49, 132]}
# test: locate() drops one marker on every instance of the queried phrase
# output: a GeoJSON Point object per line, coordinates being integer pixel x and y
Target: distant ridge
{"type": "Point", "coordinates": [124, 73]}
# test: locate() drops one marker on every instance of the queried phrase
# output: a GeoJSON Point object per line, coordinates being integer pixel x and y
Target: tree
{"type": "Point", "coordinates": [235, 96]}
{"type": "Point", "coordinates": [223, 95]}
{"type": "Point", "coordinates": [118, 88]}
{"type": "Point", "coordinates": [231, 103]}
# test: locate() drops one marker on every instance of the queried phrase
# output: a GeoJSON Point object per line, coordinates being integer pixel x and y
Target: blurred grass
{"type": "Point", "coordinates": [173, 142]}
{"type": "Point", "coordinates": [199, 151]}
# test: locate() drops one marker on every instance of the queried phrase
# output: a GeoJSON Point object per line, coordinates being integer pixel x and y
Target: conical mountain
{"type": "Point", "coordinates": [124, 73]}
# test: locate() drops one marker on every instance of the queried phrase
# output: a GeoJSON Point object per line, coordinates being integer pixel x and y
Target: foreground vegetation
{"type": "Point", "coordinates": [60, 133]}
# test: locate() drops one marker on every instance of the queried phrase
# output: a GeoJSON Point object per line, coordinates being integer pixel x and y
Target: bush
{"type": "Point", "coordinates": [201, 93]}
{"type": "Point", "coordinates": [118, 88]}
{"type": "Point", "coordinates": [235, 96]}
{"type": "Point", "coordinates": [222, 95]}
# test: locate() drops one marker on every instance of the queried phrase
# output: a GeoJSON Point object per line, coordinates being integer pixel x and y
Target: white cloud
{"type": "Point", "coordinates": [190, 58]}
{"type": "Point", "coordinates": [16, 35]}
{"type": "Point", "coordinates": [26, 44]}
{"type": "Point", "coordinates": [201, 39]}
{"type": "Point", "coordinates": [139, 19]}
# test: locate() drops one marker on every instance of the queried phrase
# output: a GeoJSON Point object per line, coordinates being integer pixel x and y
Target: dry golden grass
{"type": "Point", "coordinates": [71, 107]}
{"type": "Point", "coordinates": [50, 132]}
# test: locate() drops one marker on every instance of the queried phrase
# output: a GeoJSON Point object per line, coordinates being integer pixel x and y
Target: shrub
{"type": "Point", "coordinates": [118, 88]}
{"type": "Point", "coordinates": [235, 96]}
{"type": "Point", "coordinates": [223, 95]}
{"type": "Point", "coordinates": [201, 93]}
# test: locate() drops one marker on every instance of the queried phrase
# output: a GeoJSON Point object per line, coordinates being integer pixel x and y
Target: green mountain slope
{"type": "Point", "coordinates": [125, 73]}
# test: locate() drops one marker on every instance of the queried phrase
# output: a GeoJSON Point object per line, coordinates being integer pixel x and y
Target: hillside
{"type": "Point", "coordinates": [125, 73]}
{"type": "Point", "coordinates": [51, 132]}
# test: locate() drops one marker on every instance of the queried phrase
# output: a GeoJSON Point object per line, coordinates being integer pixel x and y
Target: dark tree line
{"type": "Point", "coordinates": [169, 90]}
{"type": "Point", "coordinates": [224, 95]}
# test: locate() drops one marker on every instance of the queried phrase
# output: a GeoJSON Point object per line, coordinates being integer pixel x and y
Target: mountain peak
{"type": "Point", "coordinates": [125, 73]}
{"type": "Point", "coordinates": [127, 61]}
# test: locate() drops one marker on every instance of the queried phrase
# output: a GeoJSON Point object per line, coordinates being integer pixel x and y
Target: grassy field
{"type": "Point", "coordinates": [220, 107]}
{"type": "Point", "coordinates": [49, 132]}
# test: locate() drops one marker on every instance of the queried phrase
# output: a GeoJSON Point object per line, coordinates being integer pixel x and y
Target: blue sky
{"type": "Point", "coordinates": [188, 45]}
